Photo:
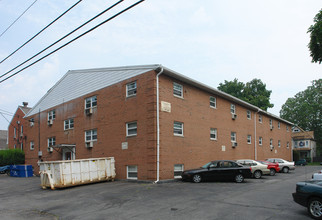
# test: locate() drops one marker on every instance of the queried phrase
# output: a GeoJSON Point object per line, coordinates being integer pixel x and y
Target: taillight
{"type": "Point", "coordinates": [250, 168]}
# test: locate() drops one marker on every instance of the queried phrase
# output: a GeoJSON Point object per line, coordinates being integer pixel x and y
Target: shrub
{"type": "Point", "coordinates": [11, 157]}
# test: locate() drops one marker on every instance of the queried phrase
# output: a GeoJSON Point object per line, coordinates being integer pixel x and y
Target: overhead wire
{"type": "Point", "coordinates": [40, 31]}
{"type": "Point", "coordinates": [79, 27]}
{"type": "Point", "coordinates": [17, 18]}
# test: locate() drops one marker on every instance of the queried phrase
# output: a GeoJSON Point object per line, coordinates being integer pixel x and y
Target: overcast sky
{"type": "Point", "coordinates": [209, 41]}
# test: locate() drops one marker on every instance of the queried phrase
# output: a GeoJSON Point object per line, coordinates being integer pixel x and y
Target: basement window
{"type": "Point", "coordinates": [132, 172]}
{"type": "Point", "coordinates": [131, 89]}
{"type": "Point", "coordinates": [178, 169]}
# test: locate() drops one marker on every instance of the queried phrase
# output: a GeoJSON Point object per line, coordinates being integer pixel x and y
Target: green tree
{"type": "Point", "coordinates": [304, 110]}
{"type": "Point", "coordinates": [315, 44]}
{"type": "Point", "coordinates": [253, 92]}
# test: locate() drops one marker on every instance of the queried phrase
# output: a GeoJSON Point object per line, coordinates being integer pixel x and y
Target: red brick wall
{"type": "Point", "coordinates": [16, 122]}
{"type": "Point", "coordinates": [195, 148]}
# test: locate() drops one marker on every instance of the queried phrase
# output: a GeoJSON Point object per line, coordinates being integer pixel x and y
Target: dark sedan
{"type": "Point", "coordinates": [309, 194]}
{"type": "Point", "coordinates": [218, 170]}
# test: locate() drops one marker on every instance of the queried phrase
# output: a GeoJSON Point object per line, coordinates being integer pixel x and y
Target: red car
{"type": "Point", "coordinates": [273, 167]}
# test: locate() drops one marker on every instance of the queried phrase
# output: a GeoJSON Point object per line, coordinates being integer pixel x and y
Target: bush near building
{"type": "Point", "coordinates": [12, 156]}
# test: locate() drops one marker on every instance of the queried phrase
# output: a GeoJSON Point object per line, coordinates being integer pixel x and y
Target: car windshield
{"type": "Point", "coordinates": [206, 165]}
{"type": "Point", "coordinates": [263, 162]}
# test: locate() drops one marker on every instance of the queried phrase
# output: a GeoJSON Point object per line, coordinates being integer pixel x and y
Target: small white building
{"type": "Point", "coordinates": [304, 143]}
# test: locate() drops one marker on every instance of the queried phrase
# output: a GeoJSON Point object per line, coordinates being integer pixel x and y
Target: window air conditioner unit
{"type": "Point", "coordinates": [50, 122]}
{"type": "Point", "coordinates": [89, 144]}
{"type": "Point", "coordinates": [234, 144]}
{"type": "Point", "coordinates": [50, 149]}
{"type": "Point", "coordinates": [233, 116]}
{"type": "Point", "coordinates": [88, 111]}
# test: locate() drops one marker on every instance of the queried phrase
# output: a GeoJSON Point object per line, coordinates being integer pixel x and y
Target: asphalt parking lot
{"type": "Point", "coordinates": [266, 198]}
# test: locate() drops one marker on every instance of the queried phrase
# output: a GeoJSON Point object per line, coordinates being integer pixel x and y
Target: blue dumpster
{"type": "Point", "coordinates": [21, 171]}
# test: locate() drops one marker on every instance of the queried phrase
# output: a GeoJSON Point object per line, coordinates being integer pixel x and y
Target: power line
{"type": "Point", "coordinates": [90, 20]}
{"type": "Point", "coordinates": [79, 36]}
{"type": "Point", "coordinates": [40, 31]}
{"type": "Point", "coordinates": [17, 18]}
{"type": "Point", "coordinates": [5, 111]}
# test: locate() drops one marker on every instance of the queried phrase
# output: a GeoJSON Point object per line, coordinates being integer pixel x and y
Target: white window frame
{"type": "Point", "coordinates": [51, 115]}
{"type": "Point", "coordinates": [232, 109]}
{"type": "Point", "coordinates": [260, 141]}
{"type": "Point", "coordinates": [212, 102]}
{"type": "Point", "coordinates": [51, 141]}
{"type": "Point", "coordinates": [233, 137]}
{"type": "Point", "coordinates": [92, 134]}
{"type": "Point", "coordinates": [288, 145]}
{"type": "Point", "coordinates": [213, 131]}
{"type": "Point", "coordinates": [32, 145]}
{"type": "Point", "coordinates": [271, 142]}
{"type": "Point", "coordinates": [249, 139]}
{"type": "Point", "coordinates": [260, 118]}
{"type": "Point", "coordinates": [178, 131]}
{"type": "Point", "coordinates": [279, 125]}
{"type": "Point", "coordinates": [287, 128]}
{"type": "Point", "coordinates": [91, 102]}
{"type": "Point", "coordinates": [131, 89]}
{"type": "Point", "coordinates": [15, 133]}
{"type": "Point", "coordinates": [177, 90]}
{"type": "Point", "coordinates": [178, 168]}
{"type": "Point", "coordinates": [249, 114]}
{"type": "Point", "coordinates": [69, 124]}
{"type": "Point", "coordinates": [128, 171]}
{"type": "Point", "coordinates": [270, 122]}
{"type": "Point", "coordinates": [279, 143]}
{"type": "Point", "coordinates": [21, 146]}
{"type": "Point", "coordinates": [130, 127]}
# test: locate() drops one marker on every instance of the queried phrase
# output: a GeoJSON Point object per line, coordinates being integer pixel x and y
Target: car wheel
{"type": "Point", "coordinates": [239, 178]}
{"type": "Point", "coordinates": [257, 174]}
{"type": "Point", "coordinates": [272, 172]}
{"type": "Point", "coordinates": [196, 178]}
{"type": "Point", "coordinates": [285, 170]}
{"type": "Point", "coordinates": [315, 208]}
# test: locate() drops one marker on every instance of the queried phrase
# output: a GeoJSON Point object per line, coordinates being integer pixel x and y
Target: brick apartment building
{"type": "Point", "coordinates": [114, 112]}
{"type": "Point", "coordinates": [16, 135]}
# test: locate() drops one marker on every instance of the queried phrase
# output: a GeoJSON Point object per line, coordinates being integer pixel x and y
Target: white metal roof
{"type": "Point", "coordinates": [77, 83]}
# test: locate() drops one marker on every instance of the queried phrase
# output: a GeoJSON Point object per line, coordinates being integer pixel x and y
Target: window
{"type": "Point", "coordinates": [21, 130]}
{"type": "Point", "coordinates": [90, 102]}
{"type": "Point", "coordinates": [51, 141]}
{"type": "Point", "coordinates": [271, 142]}
{"type": "Point", "coordinates": [279, 143]}
{"type": "Point", "coordinates": [178, 169]}
{"type": "Point", "coordinates": [213, 134]}
{"type": "Point", "coordinates": [233, 136]}
{"type": "Point", "coordinates": [287, 144]}
{"type": "Point", "coordinates": [91, 135]}
{"type": "Point", "coordinates": [212, 101]}
{"type": "Point", "coordinates": [260, 141]}
{"type": "Point", "coordinates": [232, 109]}
{"type": "Point", "coordinates": [14, 133]}
{"type": "Point", "coordinates": [260, 118]}
{"type": "Point", "coordinates": [287, 128]}
{"type": "Point", "coordinates": [32, 145]}
{"type": "Point", "coordinates": [69, 124]}
{"type": "Point", "coordinates": [270, 122]}
{"type": "Point", "coordinates": [131, 89]}
{"type": "Point", "coordinates": [249, 139]}
{"type": "Point", "coordinates": [279, 125]}
{"type": "Point", "coordinates": [249, 115]}
{"type": "Point", "coordinates": [132, 172]}
{"type": "Point", "coordinates": [131, 129]}
{"type": "Point", "coordinates": [178, 128]}
{"type": "Point", "coordinates": [21, 146]}
{"type": "Point", "coordinates": [177, 90]}
{"type": "Point", "coordinates": [51, 115]}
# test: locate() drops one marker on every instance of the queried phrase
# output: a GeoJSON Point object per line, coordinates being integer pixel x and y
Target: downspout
{"type": "Point", "coordinates": [158, 126]}
{"type": "Point", "coordinates": [255, 138]}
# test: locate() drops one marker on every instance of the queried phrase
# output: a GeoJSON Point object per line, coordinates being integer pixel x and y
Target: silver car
{"type": "Point", "coordinates": [258, 169]}
{"type": "Point", "coordinates": [285, 166]}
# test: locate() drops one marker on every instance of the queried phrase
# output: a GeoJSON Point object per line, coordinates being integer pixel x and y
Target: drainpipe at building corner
{"type": "Point", "coordinates": [158, 126]}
